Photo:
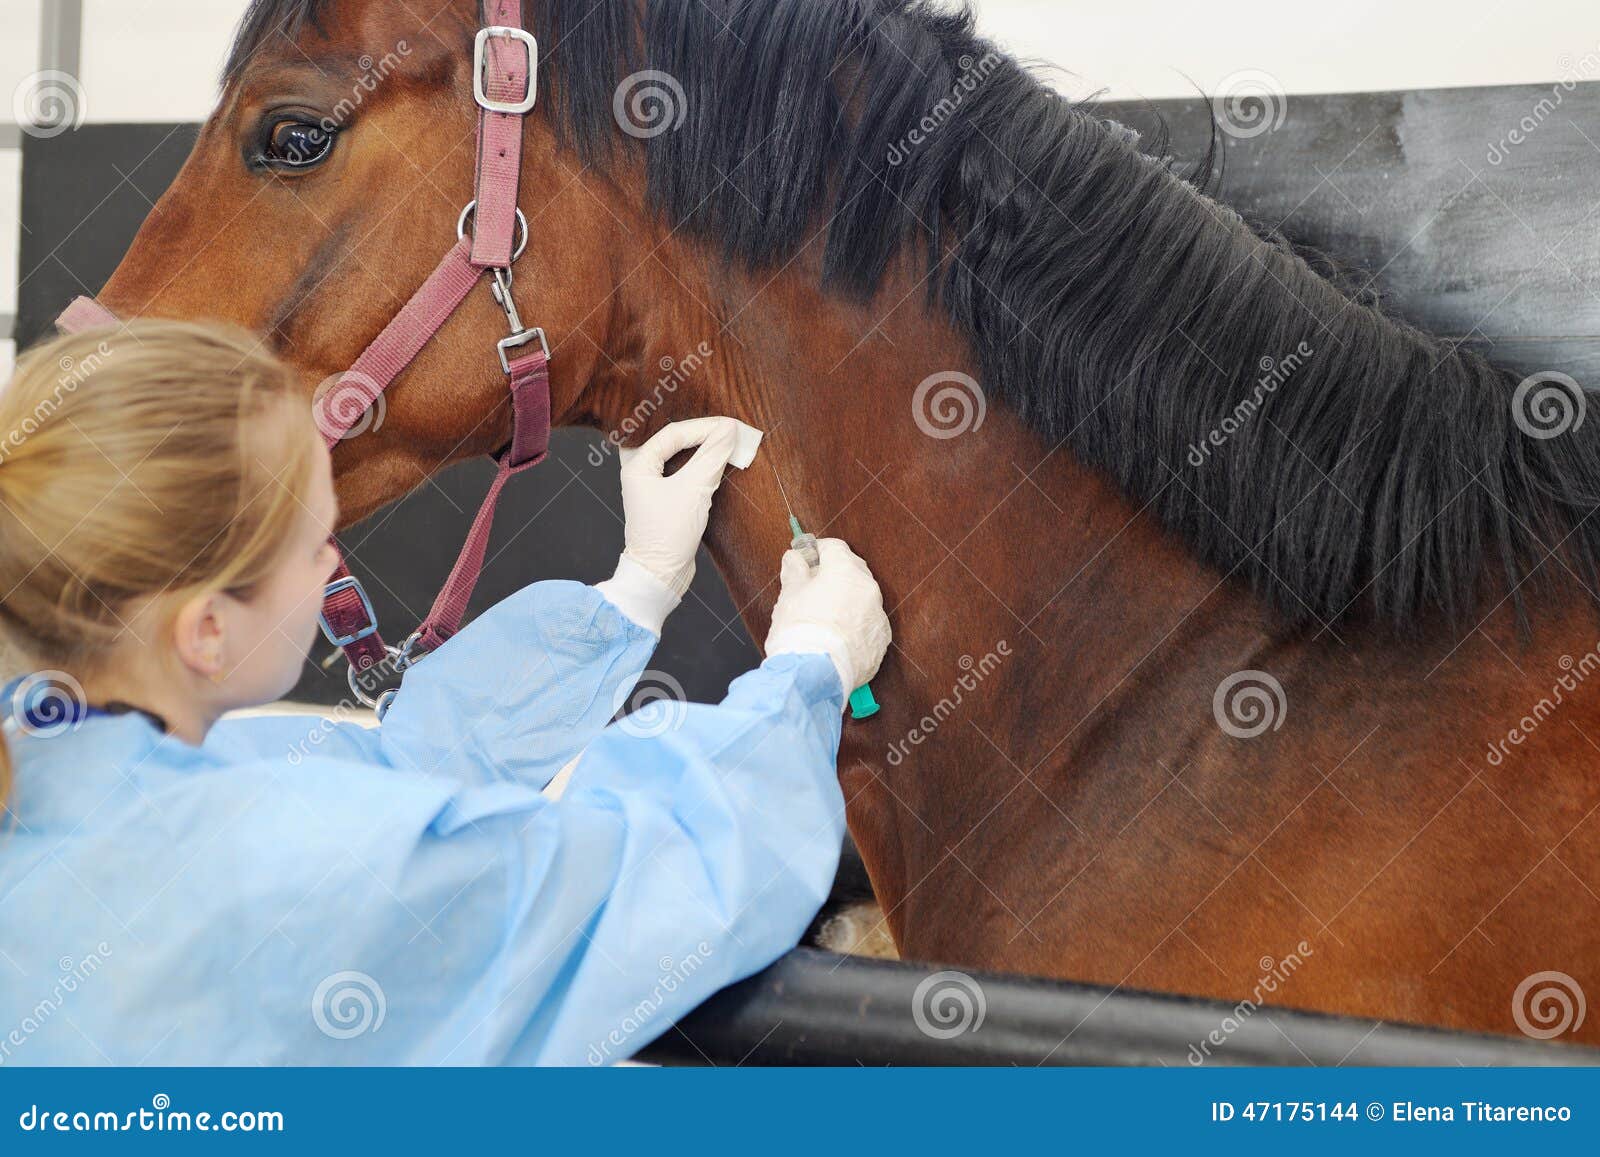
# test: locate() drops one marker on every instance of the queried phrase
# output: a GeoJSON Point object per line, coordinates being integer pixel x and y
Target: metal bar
{"type": "Point", "coordinates": [60, 51]}
{"type": "Point", "coordinates": [817, 1008]}
{"type": "Point", "coordinates": [61, 37]}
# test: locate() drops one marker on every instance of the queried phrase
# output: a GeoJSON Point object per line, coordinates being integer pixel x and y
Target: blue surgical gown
{"type": "Point", "coordinates": [322, 893]}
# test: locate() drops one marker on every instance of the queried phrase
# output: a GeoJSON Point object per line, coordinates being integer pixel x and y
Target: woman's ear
{"type": "Point", "coordinates": [199, 634]}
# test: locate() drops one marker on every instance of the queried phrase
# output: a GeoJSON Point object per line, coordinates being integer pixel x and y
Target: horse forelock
{"type": "Point", "coordinates": [268, 20]}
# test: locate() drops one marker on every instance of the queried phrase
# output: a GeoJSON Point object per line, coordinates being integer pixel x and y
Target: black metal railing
{"type": "Point", "coordinates": [819, 1008]}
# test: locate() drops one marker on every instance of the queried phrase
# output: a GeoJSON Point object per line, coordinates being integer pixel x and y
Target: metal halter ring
{"type": "Point", "coordinates": [353, 677]}
{"type": "Point", "coordinates": [400, 659]}
{"type": "Point", "coordinates": [405, 660]}
{"type": "Point", "coordinates": [461, 227]}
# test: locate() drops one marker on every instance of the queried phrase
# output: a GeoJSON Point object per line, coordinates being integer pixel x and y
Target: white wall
{"type": "Point", "coordinates": [1160, 48]}
{"type": "Point", "coordinates": [157, 60]}
{"type": "Point", "coordinates": [19, 46]}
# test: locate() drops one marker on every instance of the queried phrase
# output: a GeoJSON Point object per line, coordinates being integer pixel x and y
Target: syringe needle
{"type": "Point", "coordinates": [782, 493]}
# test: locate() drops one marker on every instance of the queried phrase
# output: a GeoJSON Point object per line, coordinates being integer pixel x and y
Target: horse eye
{"type": "Point", "coordinates": [295, 144]}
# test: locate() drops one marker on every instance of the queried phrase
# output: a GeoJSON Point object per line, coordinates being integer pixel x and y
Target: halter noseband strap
{"type": "Point", "coordinates": [505, 87]}
{"type": "Point", "coordinates": [85, 313]}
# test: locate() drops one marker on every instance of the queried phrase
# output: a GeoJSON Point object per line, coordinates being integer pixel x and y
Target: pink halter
{"type": "Point", "coordinates": [505, 86]}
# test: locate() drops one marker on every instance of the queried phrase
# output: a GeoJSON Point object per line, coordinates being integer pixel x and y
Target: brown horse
{"type": "Point", "coordinates": [1218, 666]}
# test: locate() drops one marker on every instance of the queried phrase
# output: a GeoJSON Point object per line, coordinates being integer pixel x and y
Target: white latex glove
{"type": "Point", "coordinates": [664, 518]}
{"type": "Point", "coordinates": [836, 610]}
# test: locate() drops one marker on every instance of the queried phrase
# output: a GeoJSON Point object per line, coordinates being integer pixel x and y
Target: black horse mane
{"type": "Point", "coordinates": [1112, 304]}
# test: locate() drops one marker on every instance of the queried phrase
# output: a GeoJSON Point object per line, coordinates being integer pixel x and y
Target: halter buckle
{"type": "Point", "coordinates": [518, 340]}
{"type": "Point", "coordinates": [480, 70]}
{"type": "Point", "coordinates": [338, 587]}
{"type": "Point", "coordinates": [521, 335]}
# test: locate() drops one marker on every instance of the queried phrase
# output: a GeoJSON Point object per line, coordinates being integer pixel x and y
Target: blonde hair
{"type": "Point", "coordinates": [163, 457]}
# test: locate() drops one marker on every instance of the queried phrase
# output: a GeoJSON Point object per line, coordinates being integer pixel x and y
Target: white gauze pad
{"type": "Point", "coordinates": [749, 443]}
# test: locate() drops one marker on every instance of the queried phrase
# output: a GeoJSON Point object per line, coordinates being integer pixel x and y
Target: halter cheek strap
{"type": "Point", "coordinates": [505, 87]}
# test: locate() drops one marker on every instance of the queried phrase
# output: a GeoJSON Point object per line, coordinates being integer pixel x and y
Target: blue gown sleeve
{"type": "Point", "coordinates": [497, 926]}
{"type": "Point", "coordinates": [516, 695]}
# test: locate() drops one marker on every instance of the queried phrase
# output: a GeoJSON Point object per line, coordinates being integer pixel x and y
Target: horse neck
{"type": "Point", "coordinates": [1025, 591]}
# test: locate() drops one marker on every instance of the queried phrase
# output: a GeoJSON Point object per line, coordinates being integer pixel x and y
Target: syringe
{"type": "Point", "coordinates": [863, 704]}
{"type": "Point", "coordinates": [805, 543]}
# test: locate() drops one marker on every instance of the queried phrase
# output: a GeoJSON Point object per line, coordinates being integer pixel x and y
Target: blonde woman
{"type": "Point", "coordinates": [266, 892]}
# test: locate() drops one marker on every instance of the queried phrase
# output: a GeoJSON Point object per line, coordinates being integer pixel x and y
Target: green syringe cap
{"type": "Point", "coordinates": [863, 705]}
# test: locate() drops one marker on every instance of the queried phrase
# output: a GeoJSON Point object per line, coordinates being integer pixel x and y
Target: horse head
{"type": "Point", "coordinates": [325, 187]}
